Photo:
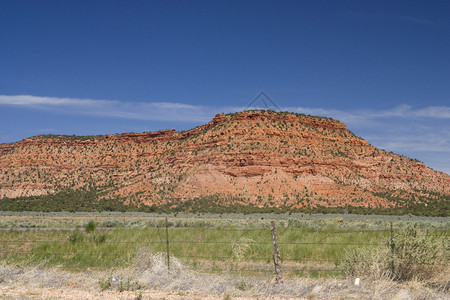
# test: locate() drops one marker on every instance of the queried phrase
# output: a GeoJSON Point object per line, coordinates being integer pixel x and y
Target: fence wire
{"type": "Point", "coordinates": [206, 249]}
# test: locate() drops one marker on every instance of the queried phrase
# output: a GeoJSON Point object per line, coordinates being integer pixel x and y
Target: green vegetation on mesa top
{"type": "Point", "coordinates": [73, 137]}
{"type": "Point", "coordinates": [279, 112]}
{"type": "Point", "coordinates": [89, 200]}
{"type": "Point", "coordinates": [69, 137]}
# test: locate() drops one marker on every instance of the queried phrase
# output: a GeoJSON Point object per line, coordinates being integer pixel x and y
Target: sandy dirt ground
{"type": "Point", "coordinates": [50, 294]}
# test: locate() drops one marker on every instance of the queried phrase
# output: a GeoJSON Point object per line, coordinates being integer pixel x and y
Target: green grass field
{"type": "Point", "coordinates": [242, 221]}
{"type": "Point", "coordinates": [309, 246]}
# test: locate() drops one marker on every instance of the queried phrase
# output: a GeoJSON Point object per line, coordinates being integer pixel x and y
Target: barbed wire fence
{"type": "Point", "coordinates": [250, 251]}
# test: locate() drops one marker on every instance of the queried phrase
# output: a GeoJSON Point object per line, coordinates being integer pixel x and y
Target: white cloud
{"type": "Point", "coordinates": [34, 101]}
{"type": "Point", "coordinates": [167, 111]}
{"type": "Point", "coordinates": [434, 112]}
{"type": "Point", "coordinates": [438, 141]}
{"type": "Point", "coordinates": [154, 111]}
{"type": "Point", "coordinates": [402, 111]}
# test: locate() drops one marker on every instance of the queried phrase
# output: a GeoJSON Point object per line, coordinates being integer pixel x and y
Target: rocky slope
{"type": "Point", "coordinates": [262, 158]}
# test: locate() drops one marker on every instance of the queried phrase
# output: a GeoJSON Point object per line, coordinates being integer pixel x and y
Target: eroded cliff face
{"type": "Point", "coordinates": [259, 157]}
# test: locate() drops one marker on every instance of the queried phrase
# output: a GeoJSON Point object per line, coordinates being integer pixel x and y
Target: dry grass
{"type": "Point", "coordinates": [151, 279]}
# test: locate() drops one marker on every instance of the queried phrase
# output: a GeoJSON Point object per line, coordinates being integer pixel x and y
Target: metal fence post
{"type": "Point", "coordinates": [167, 243]}
{"type": "Point", "coordinates": [276, 255]}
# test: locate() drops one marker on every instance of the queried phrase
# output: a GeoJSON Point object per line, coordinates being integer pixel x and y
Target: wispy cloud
{"type": "Point", "coordinates": [436, 141]}
{"type": "Point", "coordinates": [434, 112]}
{"type": "Point", "coordinates": [402, 111]}
{"type": "Point", "coordinates": [174, 111]}
{"type": "Point", "coordinates": [155, 111]}
{"type": "Point", "coordinates": [35, 101]}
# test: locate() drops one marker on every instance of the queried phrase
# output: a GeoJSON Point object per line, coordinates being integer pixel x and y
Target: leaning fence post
{"type": "Point", "coordinates": [391, 244]}
{"type": "Point", "coordinates": [167, 243]}
{"type": "Point", "coordinates": [276, 255]}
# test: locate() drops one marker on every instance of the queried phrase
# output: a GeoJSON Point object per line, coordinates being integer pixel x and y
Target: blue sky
{"type": "Point", "coordinates": [99, 67]}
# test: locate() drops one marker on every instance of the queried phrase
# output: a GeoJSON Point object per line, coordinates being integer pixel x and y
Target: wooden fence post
{"type": "Point", "coordinates": [167, 243]}
{"type": "Point", "coordinates": [276, 255]}
{"type": "Point", "coordinates": [392, 246]}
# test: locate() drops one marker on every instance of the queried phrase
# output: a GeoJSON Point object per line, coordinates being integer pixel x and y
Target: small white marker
{"type": "Point", "coordinates": [357, 281]}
